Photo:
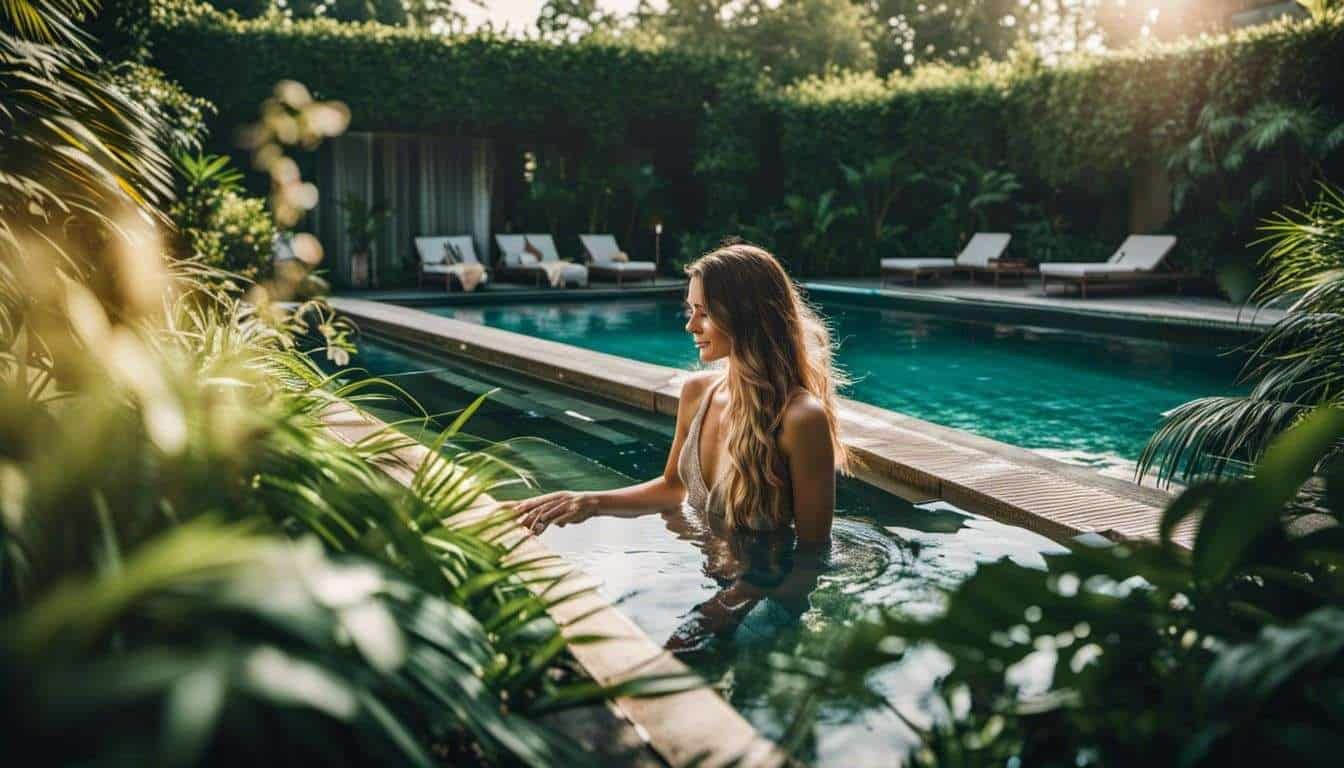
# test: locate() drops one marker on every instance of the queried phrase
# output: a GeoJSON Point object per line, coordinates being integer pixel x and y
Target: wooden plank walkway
{"type": "Point", "coordinates": [1001, 481]}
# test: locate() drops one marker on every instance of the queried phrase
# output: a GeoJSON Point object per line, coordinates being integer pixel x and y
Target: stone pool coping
{"type": "Point", "coordinates": [1154, 319]}
{"type": "Point", "coordinates": [691, 728]}
{"type": "Point", "coordinates": [892, 450]}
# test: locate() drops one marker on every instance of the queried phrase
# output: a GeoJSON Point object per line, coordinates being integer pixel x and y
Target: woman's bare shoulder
{"type": "Point", "coordinates": [804, 419]}
{"type": "Point", "coordinates": [694, 386]}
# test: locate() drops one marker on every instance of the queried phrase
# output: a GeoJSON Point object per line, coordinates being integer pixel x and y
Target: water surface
{"type": "Point", "coordinates": [1088, 399]}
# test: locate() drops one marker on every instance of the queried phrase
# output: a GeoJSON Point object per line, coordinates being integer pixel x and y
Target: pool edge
{"type": "Point", "coordinates": [695, 727]}
{"type": "Point", "coordinates": [1003, 481]}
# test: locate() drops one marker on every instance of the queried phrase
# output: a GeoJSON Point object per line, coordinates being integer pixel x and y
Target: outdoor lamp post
{"type": "Point", "coordinates": [657, 249]}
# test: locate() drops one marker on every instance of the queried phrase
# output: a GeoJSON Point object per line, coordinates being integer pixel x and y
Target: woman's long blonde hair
{"type": "Point", "coordinates": [778, 345]}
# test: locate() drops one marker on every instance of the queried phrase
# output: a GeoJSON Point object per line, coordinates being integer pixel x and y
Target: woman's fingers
{"type": "Point", "coordinates": [526, 510]}
{"type": "Point", "coordinates": [559, 508]}
{"type": "Point", "coordinates": [543, 514]}
{"type": "Point", "coordinates": [526, 505]}
{"type": "Point", "coordinates": [561, 512]}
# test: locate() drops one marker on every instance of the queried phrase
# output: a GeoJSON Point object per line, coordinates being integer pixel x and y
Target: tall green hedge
{"type": "Point", "coordinates": [729, 145]}
{"type": "Point", "coordinates": [394, 78]}
{"type": "Point", "coordinates": [1083, 126]}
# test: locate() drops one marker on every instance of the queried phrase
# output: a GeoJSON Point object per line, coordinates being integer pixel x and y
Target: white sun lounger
{"type": "Point", "coordinates": [602, 250]}
{"type": "Point", "coordinates": [980, 255]}
{"type": "Point", "coordinates": [515, 264]}
{"type": "Point", "coordinates": [1140, 259]}
{"type": "Point", "coordinates": [433, 254]}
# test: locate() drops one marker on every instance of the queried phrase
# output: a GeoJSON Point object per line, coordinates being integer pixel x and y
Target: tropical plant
{"type": "Point", "coordinates": [363, 222]}
{"type": "Point", "coordinates": [251, 647]}
{"type": "Point", "coordinates": [1043, 237]}
{"type": "Point", "coordinates": [211, 413]}
{"type": "Point", "coordinates": [875, 186]}
{"type": "Point", "coordinates": [76, 154]}
{"type": "Point", "coordinates": [1296, 366]}
{"type": "Point", "coordinates": [972, 192]}
{"type": "Point", "coordinates": [180, 116]}
{"type": "Point", "coordinates": [193, 569]}
{"type": "Point", "coordinates": [1264, 152]}
{"type": "Point", "coordinates": [549, 198]}
{"type": "Point", "coordinates": [641, 183]}
{"type": "Point", "coordinates": [217, 223]}
{"type": "Point", "coordinates": [1321, 10]}
{"type": "Point", "coordinates": [1142, 651]}
{"type": "Point", "coordinates": [809, 222]}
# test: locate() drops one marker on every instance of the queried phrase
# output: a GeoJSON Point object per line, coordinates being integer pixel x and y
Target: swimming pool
{"type": "Point", "coordinates": [656, 569]}
{"type": "Point", "coordinates": [1085, 398]}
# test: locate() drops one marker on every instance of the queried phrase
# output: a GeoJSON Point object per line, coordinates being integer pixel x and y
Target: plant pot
{"type": "Point", "coordinates": [359, 269]}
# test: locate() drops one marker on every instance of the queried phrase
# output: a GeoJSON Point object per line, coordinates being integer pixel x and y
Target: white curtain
{"type": "Point", "coordinates": [434, 185]}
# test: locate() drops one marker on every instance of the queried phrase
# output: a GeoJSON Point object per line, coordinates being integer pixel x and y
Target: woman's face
{"type": "Point", "coordinates": [712, 341]}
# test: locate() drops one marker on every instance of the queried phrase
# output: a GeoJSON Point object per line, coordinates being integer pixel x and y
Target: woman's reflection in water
{"type": "Point", "coordinates": [749, 567]}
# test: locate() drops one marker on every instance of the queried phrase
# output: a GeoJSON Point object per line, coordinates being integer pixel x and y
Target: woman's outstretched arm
{"type": "Point", "coordinates": [567, 507]}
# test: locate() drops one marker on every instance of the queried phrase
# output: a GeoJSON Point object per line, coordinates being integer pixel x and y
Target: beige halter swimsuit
{"type": "Point", "coordinates": [708, 499]}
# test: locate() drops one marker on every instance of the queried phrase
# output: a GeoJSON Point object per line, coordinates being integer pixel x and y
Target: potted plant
{"type": "Point", "coordinates": [363, 224]}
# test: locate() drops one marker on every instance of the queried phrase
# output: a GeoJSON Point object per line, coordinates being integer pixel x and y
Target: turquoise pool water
{"type": "Point", "coordinates": [1087, 399]}
{"type": "Point", "coordinates": [887, 552]}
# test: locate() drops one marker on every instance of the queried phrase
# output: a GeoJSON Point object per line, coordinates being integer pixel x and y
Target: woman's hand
{"type": "Point", "coordinates": [558, 508]}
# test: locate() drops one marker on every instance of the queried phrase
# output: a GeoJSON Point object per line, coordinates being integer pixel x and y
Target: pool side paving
{"type": "Point", "coordinates": [1002, 481]}
{"type": "Point", "coordinates": [1153, 314]}
{"type": "Point", "coordinates": [695, 727]}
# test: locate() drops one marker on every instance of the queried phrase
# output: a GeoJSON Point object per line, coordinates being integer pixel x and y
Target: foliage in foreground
{"type": "Point", "coordinates": [1296, 366]}
{"type": "Point", "coordinates": [192, 569]}
{"type": "Point", "coordinates": [1144, 653]}
{"type": "Point", "coordinates": [152, 487]}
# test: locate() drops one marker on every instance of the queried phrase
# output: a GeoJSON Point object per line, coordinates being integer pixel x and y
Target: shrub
{"type": "Point", "coordinates": [1142, 652]}
{"type": "Point", "coordinates": [218, 224]}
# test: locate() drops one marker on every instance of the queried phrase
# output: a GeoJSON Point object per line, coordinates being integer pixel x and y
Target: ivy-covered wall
{"type": "Point", "coordinates": [728, 150]}
{"type": "Point", "coordinates": [1074, 136]}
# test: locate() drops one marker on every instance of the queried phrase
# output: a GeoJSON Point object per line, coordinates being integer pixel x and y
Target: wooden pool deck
{"type": "Point", "coordinates": [892, 450]}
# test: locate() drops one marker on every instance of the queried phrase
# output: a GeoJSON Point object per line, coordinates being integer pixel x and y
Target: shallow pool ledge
{"type": "Point", "coordinates": [695, 727]}
{"type": "Point", "coordinates": [1002, 481]}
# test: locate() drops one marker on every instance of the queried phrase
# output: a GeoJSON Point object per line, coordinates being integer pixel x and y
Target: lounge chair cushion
{"type": "Point", "coordinates": [1078, 270]}
{"type": "Point", "coordinates": [602, 249]}
{"type": "Point", "coordinates": [627, 267]}
{"type": "Point", "coordinates": [511, 248]}
{"type": "Point", "coordinates": [982, 248]}
{"type": "Point", "coordinates": [1144, 252]}
{"type": "Point", "coordinates": [431, 250]}
{"type": "Point", "coordinates": [1139, 253]}
{"type": "Point", "coordinates": [918, 263]}
{"type": "Point", "coordinates": [572, 273]}
{"type": "Point", "coordinates": [543, 246]}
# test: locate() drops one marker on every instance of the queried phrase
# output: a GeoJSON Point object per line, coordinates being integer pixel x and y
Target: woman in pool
{"type": "Point", "coordinates": [751, 475]}
{"type": "Point", "coordinates": [757, 445]}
